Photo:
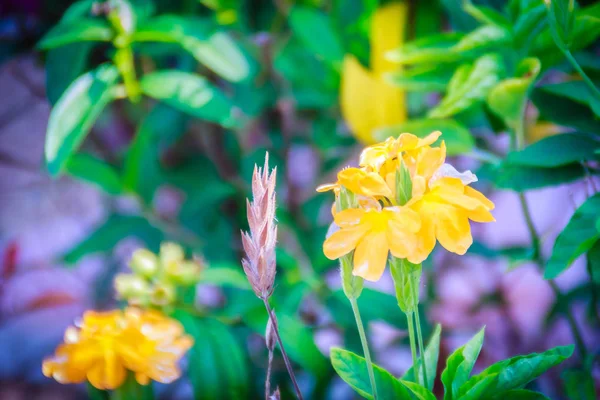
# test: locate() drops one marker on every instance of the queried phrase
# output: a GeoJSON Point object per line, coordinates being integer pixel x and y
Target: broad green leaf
{"type": "Point", "coordinates": [477, 386]}
{"type": "Point", "coordinates": [421, 78]}
{"type": "Point", "coordinates": [95, 171]}
{"type": "Point", "coordinates": [353, 370]}
{"type": "Point", "coordinates": [115, 229]}
{"type": "Point", "coordinates": [64, 64]}
{"type": "Point", "coordinates": [82, 30]}
{"type": "Point", "coordinates": [225, 276]}
{"type": "Point", "coordinates": [189, 93]}
{"type": "Point", "coordinates": [530, 22]}
{"type": "Point", "coordinates": [520, 178]}
{"type": "Point", "coordinates": [469, 85]}
{"type": "Point", "coordinates": [432, 352]}
{"type": "Point", "coordinates": [516, 372]}
{"type": "Point", "coordinates": [564, 111]}
{"type": "Point", "coordinates": [557, 150]}
{"type": "Point", "coordinates": [523, 394]}
{"type": "Point", "coordinates": [460, 364]}
{"type": "Point", "coordinates": [315, 30]}
{"type": "Point", "coordinates": [457, 137]}
{"type": "Point", "coordinates": [418, 391]}
{"type": "Point", "coordinates": [483, 38]}
{"type": "Point", "coordinates": [433, 49]}
{"type": "Point", "coordinates": [577, 91]}
{"type": "Point", "coordinates": [579, 384]}
{"type": "Point", "coordinates": [131, 389]}
{"type": "Point", "coordinates": [216, 50]}
{"type": "Point", "coordinates": [300, 344]}
{"type": "Point", "coordinates": [507, 99]}
{"type": "Point", "coordinates": [577, 237]}
{"type": "Point", "coordinates": [217, 368]}
{"type": "Point", "coordinates": [75, 114]}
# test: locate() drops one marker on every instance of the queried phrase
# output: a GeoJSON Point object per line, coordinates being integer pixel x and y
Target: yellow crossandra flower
{"type": "Point", "coordinates": [367, 101]}
{"type": "Point", "coordinates": [439, 209]}
{"type": "Point", "coordinates": [105, 345]}
{"type": "Point", "coordinates": [373, 233]}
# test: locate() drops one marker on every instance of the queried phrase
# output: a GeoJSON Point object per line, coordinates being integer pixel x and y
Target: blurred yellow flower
{"type": "Point", "coordinates": [105, 345]}
{"type": "Point", "coordinates": [373, 233]}
{"type": "Point", "coordinates": [436, 205]}
{"type": "Point", "coordinates": [367, 101]}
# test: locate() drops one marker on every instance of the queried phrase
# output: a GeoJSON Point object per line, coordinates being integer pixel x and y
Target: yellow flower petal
{"type": "Point", "coordinates": [453, 230]}
{"type": "Point", "coordinates": [364, 183]}
{"type": "Point", "coordinates": [370, 256]}
{"type": "Point", "coordinates": [343, 241]}
{"type": "Point", "coordinates": [387, 33]}
{"type": "Point", "coordinates": [349, 217]}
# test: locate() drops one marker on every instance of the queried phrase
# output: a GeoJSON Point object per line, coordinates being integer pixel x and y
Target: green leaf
{"type": "Point", "coordinates": [433, 49]}
{"type": "Point", "coordinates": [93, 170]}
{"type": "Point", "coordinates": [64, 64]}
{"type": "Point", "coordinates": [217, 368]}
{"type": "Point", "coordinates": [216, 50]}
{"type": "Point", "coordinates": [225, 276]}
{"type": "Point", "coordinates": [460, 364]}
{"type": "Point", "coordinates": [423, 78]}
{"type": "Point", "coordinates": [419, 391]}
{"type": "Point", "coordinates": [523, 394]}
{"type": "Point", "coordinates": [189, 93]}
{"type": "Point", "coordinates": [529, 22]}
{"type": "Point", "coordinates": [315, 30]}
{"type": "Point", "coordinates": [520, 178]}
{"type": "Point", "coordinates": [579, 384]}
{"type": "Point", "coordinates": [516, 372]}
{"type": "Point", "coordinates": [469, 85]}
{"type": "Point", "coordinates": [477, 387]}
{"type": "Point", "coordinates": [353, 370]}
{"type": "Point", "coordinates": [557, 150]}
{"type": "Point", "coordinates": [82, 30]}
{"type": "Point", "coordinates": [457, 137]}
{"type": "Point", "coordinates": [483, 38]}
{"type": "Point", "coordinates": [432, 352]}
{"type": "Point", "coordinates": [115, 229]}
{"type": "Point", "coordinates": [507, 99]}
{"type": "Point", "coordinates": [75, 113]}
{"type": "Point", "coordinates": [564, 111]}
{"type": "Point", "coordinates": [577, 91]}
{"type": "Point", "coordinates": [579, 236]}
{"type": "Point", "coordinates": [300, 344]}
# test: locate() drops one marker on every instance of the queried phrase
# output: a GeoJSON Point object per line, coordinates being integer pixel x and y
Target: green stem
{"type": "Point", "coordinates": [413, 346]}
{"type": "Point", "coordinates": [421, 349]}
{"type": "Point", "coordinates": [580, 71]}
{"type": "Point", "coordinates": [365, 344]}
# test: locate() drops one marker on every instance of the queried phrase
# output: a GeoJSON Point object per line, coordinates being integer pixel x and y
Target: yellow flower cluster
{"type": "Point", "coordinates": [408, 199]}
{"type": "Point", "coordinates": [155, 278]}
{"type": "Point", "coordinates": [105, 345]}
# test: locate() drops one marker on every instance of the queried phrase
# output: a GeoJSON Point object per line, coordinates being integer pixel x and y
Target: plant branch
{"type": "Point", "coordinates": [288, 364]}
{"type": "Point", "coordinates": [365, 345]}
{"type": "Point", "coordinates": [582, 73]}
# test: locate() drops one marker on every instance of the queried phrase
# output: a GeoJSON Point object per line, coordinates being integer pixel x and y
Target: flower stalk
{"type": "Point", "coordinates": [260, 264]}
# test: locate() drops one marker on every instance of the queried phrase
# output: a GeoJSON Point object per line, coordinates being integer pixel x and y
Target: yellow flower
{"type": "Point", "coordinates": [105, 345]}
{"type": "Point", "coordinates": [367, 101]}
{"type": "Point", "coordinates": [439, 207]}
{"type": "Point", "coordinates": [372, 234]}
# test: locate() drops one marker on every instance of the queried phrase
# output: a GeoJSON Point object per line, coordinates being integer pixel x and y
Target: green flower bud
{"type": "Point", "coordinates": [345, 200]}
{"type": "Point", "coordinates": [163, 294]}
{"type": "Point", "coordinates": [130, 286]}
{"type": "Point", "coordinates": [185, 273]}
{"type": "Point", "coordinates": [171, 253]}
{"type": "Point", "coordinates": [144, 263]}
{"type": "Point", "coordinates": [403, 185]}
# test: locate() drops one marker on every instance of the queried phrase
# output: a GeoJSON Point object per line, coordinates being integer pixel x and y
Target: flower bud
{"type": "Point", "coordinates": [345, 200]}
{"type": "Point", "coordinates": [144, 263]}
{"type": "Point", "coordinates": [185, 273]}
{"type": "Point", "coordinates": [171, 253]}
{"type": "Point", "coordinates": [163, 294]}
{"type": "Point", "coordinates": [129, 286]}
{"type": "Point", "coordinates": [270, 338]}
{"type": "Point", "coordinates": [403, 184]}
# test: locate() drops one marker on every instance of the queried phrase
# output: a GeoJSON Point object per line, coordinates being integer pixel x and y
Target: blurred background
{"type": "Point", "coordinates": [306, 81]}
